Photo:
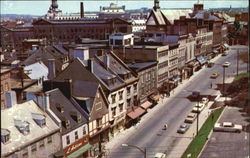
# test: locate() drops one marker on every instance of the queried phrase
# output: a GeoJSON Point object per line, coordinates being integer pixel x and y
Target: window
{"type": "Point", "coordinates": [120, 95]}
{"type": "Point", "coordinates": [49, 139]}
{"type": "Point", "coordinates": [98, 106]}
{"type": "Point", "coordinates": [128, 102]}
{"type": "Point", "coordinates": [25, 152]}
{"type": "Point", "coordinates": [118, 42]}
{"type": "Point", "coordinates": [113, 98]}
{"type": "Point", "coordinates": [76, 135]}
{"type": "Point", "coordinates": [99, 122]}
{"type": "Point", "coordinates": [67, 140]}
{"type": "Point", "coordinates": [128, 90]}
{"type": "Point", "coordinates": [84, 132]}
{"type": "Point", "coordinates": [14, 156]}
{"type": "Point", "coordinates": [121, 107]}
{"type": "Point", "coordinates": [135, 87]}
{"type": "Point", "coordinates": [113, 111]}
{"type": "Point", "coordinates": [33, 147]}
{"type": "Point", "coordinates": [111, 41]}
{"type": "Point", "coordinates": [41, 143]}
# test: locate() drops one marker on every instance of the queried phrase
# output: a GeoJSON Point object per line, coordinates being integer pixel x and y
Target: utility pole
{"type": "Point", "coordinates": [224, 81]}
{"type": "Point", "coordinates": [197, 127]}
{"type": "Point", "coordinates": [237, 62]}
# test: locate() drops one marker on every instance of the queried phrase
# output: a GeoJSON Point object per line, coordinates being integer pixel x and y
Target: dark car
{"type": "Point", "coordinates": [183, 128]}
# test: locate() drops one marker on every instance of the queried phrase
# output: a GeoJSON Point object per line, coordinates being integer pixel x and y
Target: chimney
{"type": "Point", "coordinates": [69, 88]}
{"type": "Point", "coordinates": [46, 101]}
{"type": "Point", "coordinates": [11, 98]}
{"type": "Point", "coordinates": [106, 61]}
{"type": "Point", "coordinates": [52, 69]}
{"type": "Point", "coordinates": [90, 65]}
{"type": "Point", "coordinates": [81, 10]}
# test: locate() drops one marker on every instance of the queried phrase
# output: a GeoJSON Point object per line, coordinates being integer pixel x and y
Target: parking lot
{"type": "Point", "coordinates": [228, 144]}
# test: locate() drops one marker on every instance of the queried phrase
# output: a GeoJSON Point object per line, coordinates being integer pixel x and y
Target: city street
{"type": "Point", "coordinates": [149, 134]}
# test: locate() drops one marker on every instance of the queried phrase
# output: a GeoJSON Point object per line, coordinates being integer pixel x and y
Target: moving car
{"type": "Point", "coordinates": [198, 108]}
{"type": "Point", "coordinates": [160, 155]}
{"type": "Point", "coordinates": [227, 127]}
{"type": "Point", "coordinates": [214, 75]}
{"type": "Point", "coordinates": [190, 117]}
{"type": "Point", "coordinates": [183, 128]}
{"type": "Point", "coordinates": [226, 64]}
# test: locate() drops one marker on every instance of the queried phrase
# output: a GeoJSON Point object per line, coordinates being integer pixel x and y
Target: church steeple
{"type": "Point", "coordinates": [54, 4]}
{"type": "Point", "coordinates": [156, 5]}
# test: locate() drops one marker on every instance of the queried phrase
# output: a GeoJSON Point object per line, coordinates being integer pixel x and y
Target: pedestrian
{"type": "Point", "coordinates": [211, 85]}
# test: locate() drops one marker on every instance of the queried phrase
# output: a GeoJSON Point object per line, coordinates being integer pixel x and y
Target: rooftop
{"type": "Point", "coordinates": [22, 115]}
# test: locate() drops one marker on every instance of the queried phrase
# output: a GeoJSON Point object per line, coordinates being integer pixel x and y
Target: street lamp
{"type": "Point", "coordinates": [142, 150]}
{"type": "Point", "coordinates": [225, 65]}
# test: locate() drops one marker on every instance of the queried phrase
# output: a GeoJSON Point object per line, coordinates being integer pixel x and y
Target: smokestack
{"type": "Point", "coordinates": [52, 69]}
{"type": "Point", "coordinates": [11, 99]}
{"type": "Point", "coordinates": [106, 60]}
{"type": "Point", "coordinates": [81, 10]}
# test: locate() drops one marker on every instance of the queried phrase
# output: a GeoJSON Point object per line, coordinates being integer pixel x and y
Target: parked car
{"type": "Point", "coordinates": [225, 53]}
{"type": "Point", "coordinates": [227, 127]}
{"type": "Point", "coordinates": [183, 128]}
{"type": "Point", "coordinates": [214, 75]}
{"type": "Point", "coordinates": [190, 117]}
{"type": "Point", "coordinates": [204, 100]}
{"type": "Point", "coordinates": [226, 64]}
{"type": "Point", "coordinates": [160, 155]}
{"type": "Point", "coordinates": [198, 108]}
{"type": "Point", "coordinates": [210, 64]}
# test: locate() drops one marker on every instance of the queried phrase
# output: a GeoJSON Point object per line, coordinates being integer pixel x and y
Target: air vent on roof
{"type": "Point", "coordinates": [39, 119]}
{"type": "Point", "coordinates": [22, 126]}
{"type": "Point", "coordinates": [5, 135]}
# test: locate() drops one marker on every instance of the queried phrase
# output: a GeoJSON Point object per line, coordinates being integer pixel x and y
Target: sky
{"type": "Point", "coordinates": [36, 7]}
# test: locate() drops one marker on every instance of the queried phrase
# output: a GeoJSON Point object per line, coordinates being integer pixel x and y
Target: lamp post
{"type": "Point", "coordinates": [141, 150]}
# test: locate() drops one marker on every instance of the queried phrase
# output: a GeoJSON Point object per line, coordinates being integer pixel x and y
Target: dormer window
{"type": "Point", "coordinates": [39, 119]}
{"type": "Point", "coordinates": [22, 126]}
{"type": "Point", "coordinates": [66, 124]}
{"type": "Point", "coordinates": [60, 109]}
{"type": "Point", "coordinates": [5, 135]}
{"type": "Point", "coordinates": [76, 116]}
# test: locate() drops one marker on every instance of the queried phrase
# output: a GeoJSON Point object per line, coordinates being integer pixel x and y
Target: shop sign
{"type": "Point", "coordinates": [76, 145]}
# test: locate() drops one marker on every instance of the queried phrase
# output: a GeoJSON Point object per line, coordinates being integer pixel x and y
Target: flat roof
{"type": "Point", "coordinates": [24, 113]}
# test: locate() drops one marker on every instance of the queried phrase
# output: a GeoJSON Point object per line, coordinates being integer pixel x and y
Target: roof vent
{"type": "Point", "coordinates": [39, 119]}
{"type": "Point", "coordinates": [5, 135]}
{"type": "Point", "coordinates": [22, 126]}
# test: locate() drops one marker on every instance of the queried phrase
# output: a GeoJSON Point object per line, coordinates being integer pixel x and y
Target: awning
{"type": "Point", "coordinates": [202, 60]}
{"type": "Point", "coordinates": [146, 105]}
{"type": "Point", "coordinates": [80, 151]}
{"type": "Point", "coordinates": [176, 79]}
{"type": "Point", "coordinates": [226, 45]}
{"type": "Point", "coordinates": [215, 51]}
{"type": "Point", "coordinates": [136, 113]}
{"type": "Point", "coordinates": [156, 97]}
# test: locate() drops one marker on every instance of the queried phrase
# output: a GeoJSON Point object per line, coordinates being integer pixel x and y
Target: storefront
{"type": "Point", "coordinates": [154, 98]}
{"type": "Point", "coordinates": [78, 149]}
{"type": "Point", "coordinates": [117, 125]}
{"type": "Point", "coordinates": [146, 105]}
{"type": "Point", "coordinates": [134, 116]}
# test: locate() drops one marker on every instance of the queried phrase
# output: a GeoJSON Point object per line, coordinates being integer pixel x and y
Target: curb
{"type": "Point", "coordinates": [210, 133]}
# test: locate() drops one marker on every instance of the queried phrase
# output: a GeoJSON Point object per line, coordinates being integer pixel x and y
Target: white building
{"type": "Point", "coordinates": [121, 39]}
{"type": "Point", "coordinates": [28, 131]}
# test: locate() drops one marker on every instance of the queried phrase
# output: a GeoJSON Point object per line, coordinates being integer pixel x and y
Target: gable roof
{"type": "Point", "coordinates": [57, 100]}
{"type": "Point", "coordinates": [156, 18]}
{"type": "Point", "coordinates": [174, 14]}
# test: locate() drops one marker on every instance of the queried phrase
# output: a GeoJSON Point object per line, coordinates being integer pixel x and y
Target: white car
{"type": "Point", "coordinates": [198, 108]}
{"type": "Point", "coordinates": [204, 101]}
{"type": "Point", "coordinates": [227, 127]}
{"type": "Point", "coordinates": [190, 117]}
{"type": "Point", "coordinates": [160, 155]}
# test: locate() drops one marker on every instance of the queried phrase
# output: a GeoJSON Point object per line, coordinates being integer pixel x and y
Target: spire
{"type": "Point", "coordinates": [156, 5]}
{"type": "Point", "coordinates": [54, 4]}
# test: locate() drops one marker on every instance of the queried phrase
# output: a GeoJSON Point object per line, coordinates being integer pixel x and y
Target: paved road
{"type": "Point", "coordinates": [149, 133]}
{"type": "Point", "coordinates": [225, 144]}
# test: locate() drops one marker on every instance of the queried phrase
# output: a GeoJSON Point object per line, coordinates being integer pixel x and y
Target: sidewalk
{"type": "Point", "coordinates": [122, 136]}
